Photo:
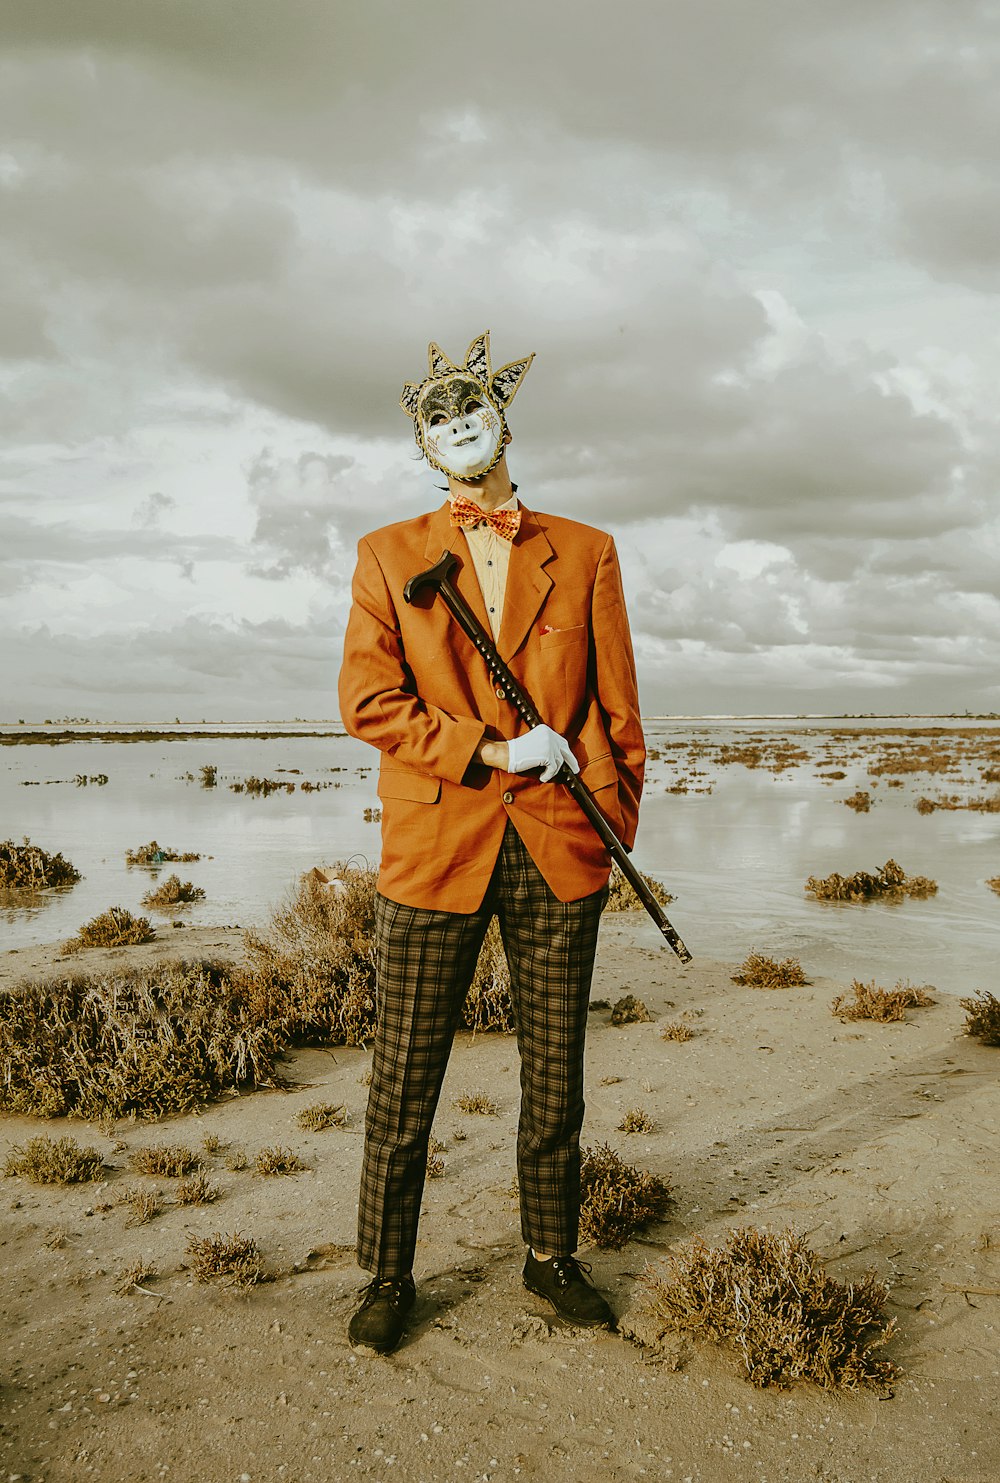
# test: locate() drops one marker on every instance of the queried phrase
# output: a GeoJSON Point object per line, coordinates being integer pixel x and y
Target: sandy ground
{"type": "Point", "coordinates": [877, 1142]}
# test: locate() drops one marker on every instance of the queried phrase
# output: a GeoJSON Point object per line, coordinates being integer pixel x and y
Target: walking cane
{"type": "Point", "coordinates": [436, 577]}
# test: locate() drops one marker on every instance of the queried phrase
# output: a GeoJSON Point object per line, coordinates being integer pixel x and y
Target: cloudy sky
{"type": "Point", "coordinates": [756, 248]}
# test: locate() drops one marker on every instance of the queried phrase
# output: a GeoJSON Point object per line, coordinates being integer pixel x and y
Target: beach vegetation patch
{"type": "Point", "coordinates": [769, 1296]}
{"type": "Point", "coordinates": [278, 1160]}
{"type": "Point", "coordinates": [54, 1161]}
{"type": "Point", "coordinates": [488, 1004]}
{"type": "Point", "coordinates": [116, 927]}
{"type": "Point", "coordinates": [888, 881]}
{"type": "Point", "coordinates": [628, 1010]}
{"type": "Point", "coordinates": [131, 1278]}
{"type": "Point", "coordinates": [166, 1160]}
{"type": "Point", "coordinates": [994, 884]}
{"type": "Point", "coordinates": [153, 854]}
{"type": "Point", "coordinates": [234, 1259]}
{"type": "Point", "coordinates": [869, 1002]}
{"type": "Point", "coordinates": [173, 892]}
{"type": "Point", "coordinates": [616, 1199]}
{"type": "Point", "coordinates": [322, 1115]}
{"type": "Point", "coordinates": [760, 972]}
{"type": "Point", "coordinates": [435, 1163]}
{"type": "Point", "coordinates": [861, 801]}
{"type": "Point", "coordinates": [677, 1030]}
{"type": "Point", "coordinates": [261, 787]}
{"type": "Point", "coordinates": [147, 1041]}
{"type": "Point", "coordinates": [477, 1102]}
{"type": "Point", "coordinates": [622, 897]}
{"type": "Point", "coordinates": [312, 969]}
{"type": "Point", "coordinates": [27, 866]}
{"type": "Point", "coordinates": [982, 1016]}
{"type": "Point", "coordinates": [196, 1190]}
{"type": "Point", "coordinates": [637, 1121]}
{"type": "Point", "coordinates": [142, 1205]}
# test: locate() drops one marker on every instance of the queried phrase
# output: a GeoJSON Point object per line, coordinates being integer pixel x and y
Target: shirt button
{"type": "Point", "coordinates": [500, 692]}
{"type": "Point", "coordinates": [489, 563]}
{"type": "Point", "coordinates": [508, 797]}
{"type": "Point", "coordinates": [492, 610]}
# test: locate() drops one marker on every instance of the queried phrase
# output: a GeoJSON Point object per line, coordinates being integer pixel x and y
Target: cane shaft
{"type": "Point", "coordinates": [525, 708]}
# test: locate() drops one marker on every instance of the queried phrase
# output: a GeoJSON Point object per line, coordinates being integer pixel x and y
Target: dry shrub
{"type": "Point", "coordinates": [27, 866]}
{"type": "Point", "coordinates": [872, 1003]}
{"type": "Point", "coordinates": [889, 880]}
{"type": "Point", "coordinates": [982, 1017]}
{"type": "Point", "coordinates": [261, 787]}
{"type": "Point", "coordinates": [677, 1030]}
{"type": "Point", "coordinates": [770, 1296]}
{"type": "Point", "coordinates": [50, 1161]}
{"type": "Point", "coordinates": [132, 1277]}
{"type": "Point", "coordinates": [196, 1191]}
{"type": "Point", "coordinates": [234, 1258]}
{"type": "Point", "coordinates": [435, 1163]}
{"type": "Point", "coordinates": [622, 897]}
{"type": "Point", "coordinates": [173, 892]}
{"type": "Point", "coordinates": [322, 1115]}
{"type": "Point", "coordinates": [211, 1143]}
{"type": "Point", "coordinates": [637, 1121]}
{"type": "Point", "coordinates": [278, 1160]}
{"type": "Point", "coordinates": [629, 1011]}
{"type": "Point", "coordinates": [115, 927]}
{"type": "Point", "coordinates": [166, 1160]}
{"type": "Point", "coordinates": [142, 1205]}
{"type": "Point", "coordinates": [237, 1161]}
{"type": "Point", "coordinates": [479, 1102]}
{"type": "Point", "coordinates": [312, 971]}
{"type": "Point", "coordinates": [861, 801]}
{"type": "Point", "coordinates": [488, 1005]}
{"type": "Point", "coordinates": [994, 884]}
{"type": "Point", "coordinates": [154, 854]}
{"type": "Point", "coordinates": [758, 972]}
{"type": "Point", "coordinates": [616, 1199]}
{"type": "Point", "coordinates": [151, 1041]}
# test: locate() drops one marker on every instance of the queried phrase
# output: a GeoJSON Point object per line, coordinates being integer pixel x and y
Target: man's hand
{"type": "Point", "coordinates": [541, 747]}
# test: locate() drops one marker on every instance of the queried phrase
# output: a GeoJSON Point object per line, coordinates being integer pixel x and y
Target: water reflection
{"type": "Point", "coordinates": [736, 857]}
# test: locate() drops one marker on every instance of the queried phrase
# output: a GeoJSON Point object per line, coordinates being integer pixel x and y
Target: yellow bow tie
{"type": "Point", "coordinates": [466, 513]}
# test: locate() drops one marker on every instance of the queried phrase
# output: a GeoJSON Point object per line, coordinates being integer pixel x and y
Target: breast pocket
{"type": "Point", "coordinates": [558, 638]}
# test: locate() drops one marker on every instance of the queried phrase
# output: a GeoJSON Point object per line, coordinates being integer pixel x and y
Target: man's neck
{"type": "Point", "coordinates": [492, 490]}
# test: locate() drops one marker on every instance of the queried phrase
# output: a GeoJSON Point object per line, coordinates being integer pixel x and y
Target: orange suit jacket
{"type": "Point", "coordinates": [414, 686]}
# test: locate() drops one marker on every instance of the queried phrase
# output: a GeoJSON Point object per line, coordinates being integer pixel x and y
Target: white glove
{"type": "Point", "coordinates": [541, 747]}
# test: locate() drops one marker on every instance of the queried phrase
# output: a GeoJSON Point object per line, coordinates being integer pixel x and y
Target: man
{"type": "Point", "coordinates": [472, 825]}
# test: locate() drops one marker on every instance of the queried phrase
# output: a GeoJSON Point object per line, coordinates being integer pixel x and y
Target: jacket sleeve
{"type": "Point", "coordinates": [378, 699]}
{"type": "Point", "coordinates": [616, 688]}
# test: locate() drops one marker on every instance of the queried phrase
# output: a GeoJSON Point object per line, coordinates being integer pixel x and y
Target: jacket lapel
{"type": "Point", "coordinates": [443, 536]}
{"type": "Point", "coordinates": [527, 584]}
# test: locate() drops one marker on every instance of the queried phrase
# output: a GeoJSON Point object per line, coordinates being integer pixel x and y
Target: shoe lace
{"type": "Point", "coordinates": [391, 1288]}
{"type": "Point", "coordinates": [567, 1269]}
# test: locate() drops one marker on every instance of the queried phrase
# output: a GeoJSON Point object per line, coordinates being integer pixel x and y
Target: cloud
{"type": "Point", "coordinates": [148, 513]}
{"type": "Point", "coordinates": [752, 247]}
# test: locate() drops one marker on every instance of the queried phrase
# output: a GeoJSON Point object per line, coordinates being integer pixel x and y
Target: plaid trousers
{"type": "Point", "coordinates": [426, 961]}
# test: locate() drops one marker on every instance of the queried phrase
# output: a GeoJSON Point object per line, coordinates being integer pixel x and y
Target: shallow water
{"type": "Point", "coordinates": [736, 858]}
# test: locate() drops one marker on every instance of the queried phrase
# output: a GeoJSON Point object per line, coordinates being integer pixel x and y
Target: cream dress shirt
{"type": "Point", "coordinates": [491, 559]}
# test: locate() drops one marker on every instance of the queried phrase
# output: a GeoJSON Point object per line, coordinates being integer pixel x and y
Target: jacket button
{"type": "Point", "coordinates": [508, 797]}
{"type": "Point", "coordinates": [501, 692]}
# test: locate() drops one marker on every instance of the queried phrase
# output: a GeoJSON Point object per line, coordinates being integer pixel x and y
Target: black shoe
{"type": "Point", "coordinates": [379, 1322]}
{"type": "Point", "coordinates": [562, 1282]}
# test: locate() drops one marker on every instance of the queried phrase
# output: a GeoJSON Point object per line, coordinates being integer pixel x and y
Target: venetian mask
{"type": "Point", "coordinates": [458, 411]}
